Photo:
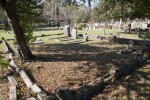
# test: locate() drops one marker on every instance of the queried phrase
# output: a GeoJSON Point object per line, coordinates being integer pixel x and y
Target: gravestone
{"type": "Point", "coordinates": [144, 26]}
{"type": "Point", "coordinates": [113, 27]}
{"type": "Point", "coordinates": [37, 42]}
{"type": "Point", "coordinates": [137, 30]}
{"type": "Point", "coordinates": [120, 24]}
{"type": "Point", "coordinates": [94, 27]}
{"type": "Point", "coordinates": [103, 31]}
{"type": "Point", "coordinates": [129, 49]}
{"type": "Point", "coordinates": [74, 34]}
{"type": "Point", "coordinates": [133, 25]}
{"type": "Point", "coordinates": [85, 37]}
{"type": "Point", "coordinates": [67, 30]}
{"type": "Point", "coordinates": [57, 40]}
{"type": "Point", "coordinates": [39, 39]}
{"type": "Point", "coordinates": [90, 28]}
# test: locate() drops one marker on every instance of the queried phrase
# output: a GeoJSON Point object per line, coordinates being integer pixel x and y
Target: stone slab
{"type": "Point", "coordinates": [38, 42]}
{"type": "Point", "coordinates": [12, 80]}
{"type": "Point", "coordinates": [13, 95]}
{"type": "Point", "coordinates": [12, 63]}
{"type": "Point", "coordinates": [26, 78]}
{"type": "Point", "coordinates": [57, 40]}
{"type": "Point", "coordinates": [31, 98]}
{"type": "Point", "coordinates": [35, 88]}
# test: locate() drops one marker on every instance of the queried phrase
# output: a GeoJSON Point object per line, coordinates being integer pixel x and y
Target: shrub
{"type": "Point", "coordinates": [80, 27]}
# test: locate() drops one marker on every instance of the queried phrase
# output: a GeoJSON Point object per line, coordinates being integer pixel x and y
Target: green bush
{"type": "Point", "coordinates": [80, 27]}
{"type": "Point", "coordinates": [84, 25]}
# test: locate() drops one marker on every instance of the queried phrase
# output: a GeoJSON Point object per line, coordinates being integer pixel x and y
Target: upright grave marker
{"type": "Point", "coordinates": [74, 34]}
{"type": "Point", "coordinates": [67, 30]}
{"type": "Point", "coordinates": [103, 31]}
{"type": "Point", "coordinates": [85, 37]}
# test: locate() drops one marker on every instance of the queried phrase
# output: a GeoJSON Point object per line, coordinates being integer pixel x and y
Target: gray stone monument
{"type": "Point", "coordinates": [137, 30]}
{"type": "Point", "coordinates": [85, 37]}
{"type": "Point", "coordinates": [103, 31]}
{"type": "Point", "coordinates": [74, 34]}
{"type": "Point", "coordinates": [67, 30]}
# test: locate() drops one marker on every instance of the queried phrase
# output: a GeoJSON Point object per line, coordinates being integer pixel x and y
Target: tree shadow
{"type": "Point", "coordinates": [140, 83]}
{"type": "Point", "coordinates": [135, 87]}
{"type": "Point", "coordinates": [98, 56]}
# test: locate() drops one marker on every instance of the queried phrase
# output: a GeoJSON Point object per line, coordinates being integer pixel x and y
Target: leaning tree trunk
{"type": "Point", "coordinates": [22, 49]}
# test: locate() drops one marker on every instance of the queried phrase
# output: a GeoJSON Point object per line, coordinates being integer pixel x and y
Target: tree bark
{"type": "Point", "coordinates": [22, 49]}
{"type": "Point", "coordinates": [129, 25]}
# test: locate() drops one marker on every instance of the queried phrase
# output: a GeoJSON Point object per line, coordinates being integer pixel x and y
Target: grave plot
{"type": "Point", "coordinates": [74, 65]}
{"type": "Point", "coordinates": [71, 66]}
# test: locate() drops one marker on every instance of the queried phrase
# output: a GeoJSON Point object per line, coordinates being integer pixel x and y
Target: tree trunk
{"type": "Point", "coordinates": [129, 28]}
{"type": "Point", "coordinates": [129, 24]}
{"type": "Point", "coordinates": [22, 49]}
{"type": "Point", "coordinates": [6, 26]}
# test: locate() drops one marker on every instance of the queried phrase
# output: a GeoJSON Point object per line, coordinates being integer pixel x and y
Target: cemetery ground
{"type": "Point", "coordinates": [63, 61]}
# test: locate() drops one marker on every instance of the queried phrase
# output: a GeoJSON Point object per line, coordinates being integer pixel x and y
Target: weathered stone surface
{"type": "Point", "coordinates": [31, 98]}
{"type": "Point", "coordinates": [57, 40]}
{"type": "Point", "coordinates": [74, 34]}
{"type": "Point", "coordinates": [11, 55]}
{"type": "Point", "coordinates": [52, 97]}
{"type": "Point", "coordinates": [12, 63]}
{"type": "Point", "coordinates": [85, 37]}
{"type": "Point", "coordinates": [8, 49]}
{"type": "Point", "coordinates": [18, 69]}
{"type": "Point", "coordinates": [12, 80]}
{"type": "Point", "coordinates": [67, 30]}
{"type": "Point", "coordinates": [42, 95]}
{"type": "Point", "coordinates": [38, 42]}
{"type": "Point", "coordinates": [35, 88]}
{"type": "Point", "coordinates": [26, 78]}
{"type": "Point", "coordinates": [13, 95]}
{"type": "Point", "coordinates": [103, 31]}
{"type": "Point", "coordinates": [63, 93]}
{"type": "Point", "coordinates": [39, 39]}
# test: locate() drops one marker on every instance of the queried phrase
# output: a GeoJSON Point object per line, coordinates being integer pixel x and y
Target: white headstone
{"type": "Point", "coordinates": [39, 39]}
{"type": "Point", "coordinates": [93, 27]}
{"type": "Point", "coordinates": [74, 34]}
{"type": "Point", "coordinates": [90, 28]}
{"type": "Point", "coordinates": [85, 37]}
